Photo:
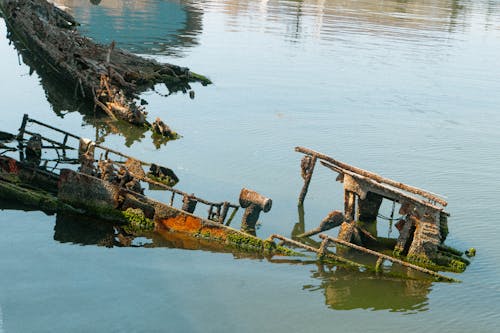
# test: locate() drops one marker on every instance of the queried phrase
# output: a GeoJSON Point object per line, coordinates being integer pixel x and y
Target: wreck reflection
{"type": "Point", "coordinates": [346, 290]}
{"type": "Point", "coordinates": [343, 288]}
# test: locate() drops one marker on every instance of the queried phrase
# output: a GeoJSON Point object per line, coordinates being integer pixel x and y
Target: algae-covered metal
{"type": "Point", "coordinates": [423, 225]}
{"type": "Point", "coordinates": [65, 176]}
{"type": "Point", "coordinates": [111, 189]}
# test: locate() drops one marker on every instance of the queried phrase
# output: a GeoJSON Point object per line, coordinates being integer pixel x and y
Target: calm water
{"type": "Point", "coordinates": [409, 89]}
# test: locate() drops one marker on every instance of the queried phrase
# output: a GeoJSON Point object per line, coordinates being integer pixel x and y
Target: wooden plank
{"type": "Point", "coordinates": [373, 176]}
{"type": "Point", "coordinates": [384, 190]}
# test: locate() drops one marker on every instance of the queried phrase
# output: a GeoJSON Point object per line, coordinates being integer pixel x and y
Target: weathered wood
{"type": "Point", "coordinates": [349, 205]}
{"type": "Point", "coordinates": [373, 176]}
{"type": "Point", "coordinates": [107, 76]}
{"type": "Point", "coordinates": [367, 185]}
{"type": "Point", "coordinates": [386, 257]}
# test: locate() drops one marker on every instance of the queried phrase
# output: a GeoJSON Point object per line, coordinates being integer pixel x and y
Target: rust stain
{"type": "Point", "coordinates": [13, 168]}
{"type": "Point", "coordinates": [183, 223]}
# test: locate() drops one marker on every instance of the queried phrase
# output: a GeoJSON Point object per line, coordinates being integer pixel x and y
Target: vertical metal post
{"type": "Point", "coordinates": [20, 137]}
{"type": "Point", "coordinates": [307, 166]}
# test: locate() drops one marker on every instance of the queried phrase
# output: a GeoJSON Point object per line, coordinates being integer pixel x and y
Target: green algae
{"type": "Point", "coordinates": [137, 221]}
{"type": "Point", "coordinates": [164, 180]}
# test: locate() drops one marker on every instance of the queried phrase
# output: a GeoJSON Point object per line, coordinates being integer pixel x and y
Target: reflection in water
{"type": "Point", "coordinates": [140, 26]}
{"type": "Point", "coordinates": [343, 288]}
{"type": "Point", "coordinates": [346, 290]}
{"type": "Point", "coordinates": [337, 20]}
{"type": "Point", "coordinates": [170, 27]}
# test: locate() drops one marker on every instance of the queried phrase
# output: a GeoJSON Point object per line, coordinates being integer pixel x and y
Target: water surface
{"type": "Point", "coordinates": [408, 89]}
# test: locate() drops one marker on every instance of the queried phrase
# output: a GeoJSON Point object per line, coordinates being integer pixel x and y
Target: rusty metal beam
{"type": "Point", "coordinates": [386, 257]}
{"type": "Point", "coordinates": [388, 192]}
{"type": "Point", "coordinates": [373, 176]}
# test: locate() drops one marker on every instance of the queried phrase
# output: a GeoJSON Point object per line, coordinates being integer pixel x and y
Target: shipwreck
{"type": "Point", "coordinates": [60, 172]}
{"type": "Point", "coordinates": [422, 225]}
{"type": "Point", "coordinates": [105, 76]}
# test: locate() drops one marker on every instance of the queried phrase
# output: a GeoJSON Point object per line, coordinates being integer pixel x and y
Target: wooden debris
{"type": "Point", "coordinates": [423, 228]}
{"type": "Point", "coordinates": [109, 77]}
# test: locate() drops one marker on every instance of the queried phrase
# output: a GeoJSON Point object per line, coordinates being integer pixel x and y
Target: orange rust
{"type": "Point", "coordinates": [183, 223]}
{"type": "Point", "coordinates": [13, 168]}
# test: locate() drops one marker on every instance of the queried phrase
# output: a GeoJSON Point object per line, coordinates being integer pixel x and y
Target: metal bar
{"type": "Point", "coordinates": [307, 181]}
{"type": "Point", "coordinates": [231, 217]}
{"type": "Point", "coordinates": [51, 141]}
{"type": "Point", "coordinates": [52, 128]}
{"type": "Point", "coordinates": [397, 194]}
{"type": "Point", "coordinates": [386, 257]}
{"type": "Point", "coordinates": [315, 250]}
{"type": "Point", "coordinates": [172, 199]}
{"type": "Point", "coordinates": [373, 176]}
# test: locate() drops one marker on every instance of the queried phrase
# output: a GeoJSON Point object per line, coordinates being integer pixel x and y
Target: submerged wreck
{"type": "Point", "coordinates": [422, 226]}
{"type": "Point", "coordinates": [104, 75]}
{"type": "Point", "coordinates": [76, 176]}
{"type": "Point", "coordinates": [66, 176]}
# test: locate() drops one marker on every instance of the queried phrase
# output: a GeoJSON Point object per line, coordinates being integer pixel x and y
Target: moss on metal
{"type": "Point", "coordinates": [137, 221]}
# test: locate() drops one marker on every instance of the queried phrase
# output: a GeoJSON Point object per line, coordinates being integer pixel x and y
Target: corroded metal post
{"type": "Point", "coordinates": [307, 167]}
{"type": "Point", "coordinates": [189, 203]}
{"type": "Point", "coordinates": [254, 204]}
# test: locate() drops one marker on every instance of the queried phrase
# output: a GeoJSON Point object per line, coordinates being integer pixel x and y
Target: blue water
{"type": "Point", "coordinates": [406, 89]}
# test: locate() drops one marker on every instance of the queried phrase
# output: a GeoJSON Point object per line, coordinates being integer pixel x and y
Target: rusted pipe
{"type": "Point", "coordinates": [254, 204]}
{"type": "Point", "coordinates": [332, 220]}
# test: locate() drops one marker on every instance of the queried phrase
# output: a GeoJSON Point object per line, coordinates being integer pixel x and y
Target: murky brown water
{"type": "Point", "coordinates": [408, 89]}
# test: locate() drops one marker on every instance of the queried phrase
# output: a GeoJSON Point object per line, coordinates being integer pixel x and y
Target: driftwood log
{"type": "Point", "coordinates": [110, 78]}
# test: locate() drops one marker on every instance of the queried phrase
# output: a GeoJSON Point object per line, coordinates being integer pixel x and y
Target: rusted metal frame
{"type": "Point", "coordinates": [65, 140]}
{"type": "Point", "coordinates": [109, 150]}
{"type": "Point", "coordinates": [51, 127]}
{"type": "Point", "coordinates": [223, 213]}
{"type": "Point", "coordinates": [58, 158]}
{"type": "Point", "coordinates": [20, 137]}
{"type": "Point", "coordinates": [175, 191]}
{"type": "Point", "coordinates": [172, 198]}
{"type": "Point", "coordinates": [171, 189]}
{"type": "Point", "coordinates": [307, 181]}
{"type": "Point", "coordinates": [59, 144]}
{"type": "Point", "coordinates": [388, 192]}
{"type": "Point", "coordinates": [231, 217]}
{"type": "Point", "coordinates": [386, 257]}
{"type": "Point", "coordinates": [373, 176]}
{"type": "Point", "coordinates": [319, 252]}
